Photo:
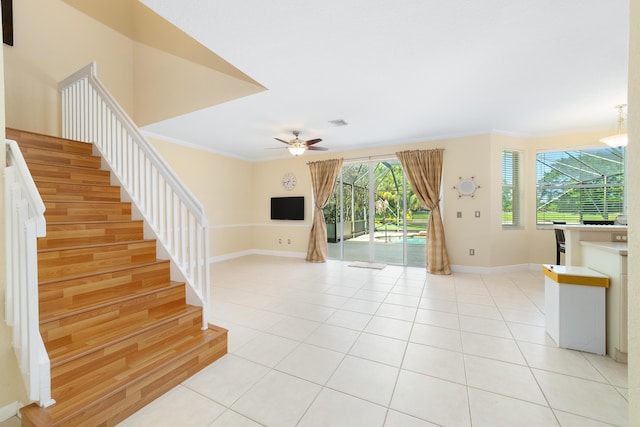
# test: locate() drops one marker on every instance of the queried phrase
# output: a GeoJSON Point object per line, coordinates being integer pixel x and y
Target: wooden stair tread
{"type": "Point", "coordinates": [78, 192]}
{"type": "Point", "coordinates": [100, 221]}
{"type": "Point", "coordinates": [43, 155]}
{"type": "Point", "coordinates": [103, 299]}
{"type": "Point", "coordinates": [104, 378]}
{"type": "Point", "coordinates": [33, 139]}
{"type": "Point", "coordinates": [73, 234]}
{"type": "Point", "coordinates": [65, 174]}
{"type": "Point", "coordinates": [127, 326]}
{"type": "Point", "coordinates": [86, 211]}
{"type": "Point", "coordinates": [40, 162]}
{"type": "Point", "coordinates": [88, 246]}
{"type": "Point", "coordinates": [129, 391]}
{"type": "Point", "coordinates": [94, 273]}
{"type": "Point", "coordinates": [72, 262]}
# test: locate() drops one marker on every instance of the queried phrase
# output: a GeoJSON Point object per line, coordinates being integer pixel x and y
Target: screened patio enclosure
{"type": "Point", "coordinates": [580, 185]}
{"type": "Point", "coordinates": [374, 216]}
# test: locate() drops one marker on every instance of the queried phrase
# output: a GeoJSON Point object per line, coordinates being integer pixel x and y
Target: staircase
{"type": "Point", "coordinates": [116, 327]}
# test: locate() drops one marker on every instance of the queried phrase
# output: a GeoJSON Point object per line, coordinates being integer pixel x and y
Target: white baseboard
{"type": "Point", "coordinates": [226, 257]}
{"type": "Point", "coordinates": [280, 253]}
{"type": "Point", "coordinates": [239, 254]}
{"type": "Point", "coordinates": [503, 269]}
{"type": "Point", "coordinates": [10, 410]}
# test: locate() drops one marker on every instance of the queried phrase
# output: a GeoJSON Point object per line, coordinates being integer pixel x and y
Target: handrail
{"type": "Point", "coordinates": [176, 217]}
{"type": "Point", "coordinates": [25, 222]}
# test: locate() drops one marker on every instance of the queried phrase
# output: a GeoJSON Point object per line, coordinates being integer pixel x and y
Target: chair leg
{"type": "Point", "coordinates": [557, 256]}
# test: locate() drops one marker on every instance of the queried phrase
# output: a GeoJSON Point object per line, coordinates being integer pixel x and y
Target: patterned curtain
{"type": "Point", "coordinates": [323, 178]}
{"type": "Point", "coordinates": [424, 170]}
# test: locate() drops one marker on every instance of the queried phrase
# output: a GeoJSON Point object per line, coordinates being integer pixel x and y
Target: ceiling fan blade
{"type": "Point", "coordinates": [313, 141]}
{"type": "Point", "coordinates": [317, 148]}
{"type": "Point", "coordinates": [282, 140]}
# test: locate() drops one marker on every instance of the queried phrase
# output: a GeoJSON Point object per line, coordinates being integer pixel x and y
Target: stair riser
{"type": "Point", "coordinates": [27, 139]}
{"type": "Point", "coordinates": [37, 155]}
{"type": "Point", "coordinates": [61, 297]}
{"type": "Point", "coordinates": [67, 235]}
{"type": "Point", "coordinates": [123, 354]}
{"type": "Point", "coordinates": [58, 264]}
{"type": "Point", "coordinates": [52, 173]}
{"type": "Point", "coordinates": [57, 191]}
{"type": "Point", "coordinates": [163, 381]}
{"type": "Point", "coordinates": [76, 212]}
{"type": "Point", "coordinates": [140, 393]}
{"type": "Point", "coordinates": [105, 323]}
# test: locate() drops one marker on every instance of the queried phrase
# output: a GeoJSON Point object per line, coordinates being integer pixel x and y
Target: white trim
{"type": "Point", "coordinates": [278, 224]}
{"type": "Point", "coordinates": [470, 269]}
{"type": "Point", "coordinates": [10, 410]}
{"type": "Point", "coordinates": [184, 143]}
{"type": "Point", "coordinates": [233, 255]}
{"type": "Point", "coordinates": [502, 269]}
{"type": "Point", "coordinates": [280, 253]}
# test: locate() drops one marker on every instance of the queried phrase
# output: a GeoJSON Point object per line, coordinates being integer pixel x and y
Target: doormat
{"type": "Point", "coordinates": [362, 264]}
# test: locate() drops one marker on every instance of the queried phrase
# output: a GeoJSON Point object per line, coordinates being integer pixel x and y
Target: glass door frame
{"type": "Point", "coordinates": [371, 167]}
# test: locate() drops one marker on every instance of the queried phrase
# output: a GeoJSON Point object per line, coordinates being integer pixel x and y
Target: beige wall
{"type": "Point", "coordinates": [633, 179]}
{"type": "Point", "coordinates": [223, 186]}
{"type": "Point", "coordinates": [478, 156]}
{"type": "Point", "coordinates": [47, 50]}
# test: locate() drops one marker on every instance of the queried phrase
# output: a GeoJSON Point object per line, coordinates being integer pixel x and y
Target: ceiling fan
{"type": "Point", "coordinates": [297, 146]}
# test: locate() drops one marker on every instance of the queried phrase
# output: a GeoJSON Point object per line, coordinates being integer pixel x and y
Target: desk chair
{"type": "Point", "coordinates": [560, 244]}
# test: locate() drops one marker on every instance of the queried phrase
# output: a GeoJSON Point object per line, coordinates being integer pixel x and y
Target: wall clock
{"type": "Point", "coordinates": [288, 181]}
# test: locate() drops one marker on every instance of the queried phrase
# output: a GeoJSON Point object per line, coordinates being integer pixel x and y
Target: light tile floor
{"type": "Point", "coordinates": [332, 345]}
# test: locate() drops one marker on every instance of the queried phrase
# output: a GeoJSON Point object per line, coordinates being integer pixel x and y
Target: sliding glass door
{"type": "Point", "coordinates": [373, 216]}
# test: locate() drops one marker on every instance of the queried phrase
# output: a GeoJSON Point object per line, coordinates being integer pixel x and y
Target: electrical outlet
{"type": "Point", "coordinates": [619, 237]}
{"type": "Point", "coordinates": [459, 214]}
{"type": "Point", "coordinates": [280, 241]}
{"type": "Point", "coordinates": [288, 241]}
{"type": "Point", "coordinates": [477, 214]}
{"type": "Point", "coordinates": [472, 252]}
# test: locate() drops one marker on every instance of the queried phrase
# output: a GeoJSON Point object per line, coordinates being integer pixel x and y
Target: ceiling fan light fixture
{"type": "Point", "coordinates": [620, 139]}
{"type": "Point", "coordinates": [297, 149]}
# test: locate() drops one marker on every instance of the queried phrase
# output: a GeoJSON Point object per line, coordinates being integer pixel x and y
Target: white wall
{"type": "Point", "coordinates": [633, 180]}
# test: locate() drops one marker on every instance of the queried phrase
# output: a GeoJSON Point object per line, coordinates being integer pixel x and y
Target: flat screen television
{"type": "Point", "coordinates": [291, 208]}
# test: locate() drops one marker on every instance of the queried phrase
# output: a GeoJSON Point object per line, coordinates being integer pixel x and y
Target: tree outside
{"type": "Point", "coordinates": [579, 185]}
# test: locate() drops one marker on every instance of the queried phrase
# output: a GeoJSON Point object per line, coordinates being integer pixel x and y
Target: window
{"type": "Point", "coordinates": [577, 185]}
{"type": "Point", "coordinates": [511, 189]}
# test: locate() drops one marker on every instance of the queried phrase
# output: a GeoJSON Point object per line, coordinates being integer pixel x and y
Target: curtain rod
{"type": "Point", "coordinates": [377, 156]}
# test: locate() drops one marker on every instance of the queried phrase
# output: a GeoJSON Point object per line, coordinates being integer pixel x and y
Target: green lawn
{"type": "Point", "coordinates": [549, 217]}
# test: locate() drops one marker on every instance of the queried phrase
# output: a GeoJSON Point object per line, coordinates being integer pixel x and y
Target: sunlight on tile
{"type": "Point", "coordinates": [332, 345]}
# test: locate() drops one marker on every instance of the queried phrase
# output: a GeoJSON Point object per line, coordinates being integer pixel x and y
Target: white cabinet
{"type": "Point", "coordinates": [610, 258]}
{"type": "Point", "coordinates": [575, 307]}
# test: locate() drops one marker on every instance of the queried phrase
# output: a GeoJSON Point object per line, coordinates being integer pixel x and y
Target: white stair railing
{"type": "Point", "coordinates": [24, 215]}
{"type": "Point", "coordinates": [176, 217]}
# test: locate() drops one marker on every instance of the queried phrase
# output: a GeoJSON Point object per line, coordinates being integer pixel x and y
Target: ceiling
{"type": "Point", "coordinates": [401, 72]}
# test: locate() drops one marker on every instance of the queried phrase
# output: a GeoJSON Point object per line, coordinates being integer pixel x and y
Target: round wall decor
{"type": "Point", "coordinates": [466, 187]}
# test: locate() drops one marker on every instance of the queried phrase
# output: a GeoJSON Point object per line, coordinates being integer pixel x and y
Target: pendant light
{"type": "Point", "coordinates": [620, 139]}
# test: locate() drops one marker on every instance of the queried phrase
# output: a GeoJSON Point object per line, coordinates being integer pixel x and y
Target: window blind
{"type": "Point", "coordinates": [577, 185]}
{"type": "Point", "coordinates": [511, 188]}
